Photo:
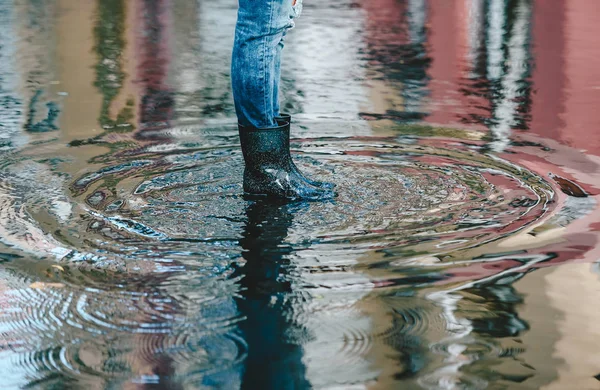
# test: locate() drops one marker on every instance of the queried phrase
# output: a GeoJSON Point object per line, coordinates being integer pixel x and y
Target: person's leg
{"type": "Point", "coordinates": [277, 75]}
{"type": "Point", "coordinates": [269, 169]}
{"type": "Point", "coordinates": [260, 29]}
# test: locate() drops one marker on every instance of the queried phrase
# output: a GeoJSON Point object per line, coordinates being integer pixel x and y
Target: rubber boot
{"type": "Point", "coordinates": [269, 167]}
{"type": "Point", "coordinates": [283, 119]}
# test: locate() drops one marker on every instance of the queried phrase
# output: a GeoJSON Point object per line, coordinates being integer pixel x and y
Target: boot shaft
{"type": "Point", "coordinates": [265, 146]}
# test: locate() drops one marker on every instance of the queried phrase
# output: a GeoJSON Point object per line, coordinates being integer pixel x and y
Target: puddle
{"type": "Point", "coordinates": [129, 256]}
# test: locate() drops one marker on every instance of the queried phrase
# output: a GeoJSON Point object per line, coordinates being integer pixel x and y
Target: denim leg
{"type": "Point", "coordinates": [260, 28]}
{"type": "Point", "coordinates": [277, 75]}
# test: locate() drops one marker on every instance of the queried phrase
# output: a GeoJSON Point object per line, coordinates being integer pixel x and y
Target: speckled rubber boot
{"type": "Point", "coordinates": [285, 119]}
{"type": "Point", "coordinates": [269, 168]}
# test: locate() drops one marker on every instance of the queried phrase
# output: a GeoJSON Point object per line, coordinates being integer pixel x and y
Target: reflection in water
{"type": "Point", "coordinates": [508, 70]}
{"type": "Point", "coordinates": [109, 45]}
{"type": "Point", "coordinates": [37, 62]}
{"type": "Point", "coordinates": [270, 329]}
{"type": "Point", "coordinates": [11, 105]}
{"type": "Point", "coordinates": [131, 259]}
{"type": "Point", "coordinates": [483, 325]}
{"type": "Point", "coordinates": [187, 59]}
{"type": "Point", "coordinates": [397, 39]}
{"type": "Point", "coordinates": [156, 100]}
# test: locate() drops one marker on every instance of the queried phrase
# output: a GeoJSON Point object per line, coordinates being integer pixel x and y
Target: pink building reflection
{"type": "Point", "coordinates": [506, 67]}
{"type": "Point", "coordinates": [567, 73]}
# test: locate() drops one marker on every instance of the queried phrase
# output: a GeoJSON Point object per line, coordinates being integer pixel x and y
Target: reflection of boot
{"type": "Point", "coordinates": [282, 119]}
{"type": "Point", "coordinates": [269, 168]}
{"type": "Point", "coordinates": [271, 327]}
{"type": "Point", "coordinates": [263, 249]}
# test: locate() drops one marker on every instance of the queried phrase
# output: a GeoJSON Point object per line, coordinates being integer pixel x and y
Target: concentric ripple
{"type": "Point", "coordinates": [93, 333]}
{"type": "Point", "coordinates": [205, 268]}
{"type": "Point", "coordinates": [399, 195]}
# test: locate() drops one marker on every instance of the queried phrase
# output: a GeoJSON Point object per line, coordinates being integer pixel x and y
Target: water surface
{"type": "Point", "coordinates": [460, 253]}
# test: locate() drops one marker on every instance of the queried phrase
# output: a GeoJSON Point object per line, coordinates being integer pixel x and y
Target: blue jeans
{"type": "Point", "coordinates": [256, 61]}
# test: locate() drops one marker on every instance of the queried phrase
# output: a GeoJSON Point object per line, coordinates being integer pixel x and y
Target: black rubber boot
{"type": "Point", "coordinates": [284, 119]}
{"type": "Point", "coordinates": [269, 168]}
